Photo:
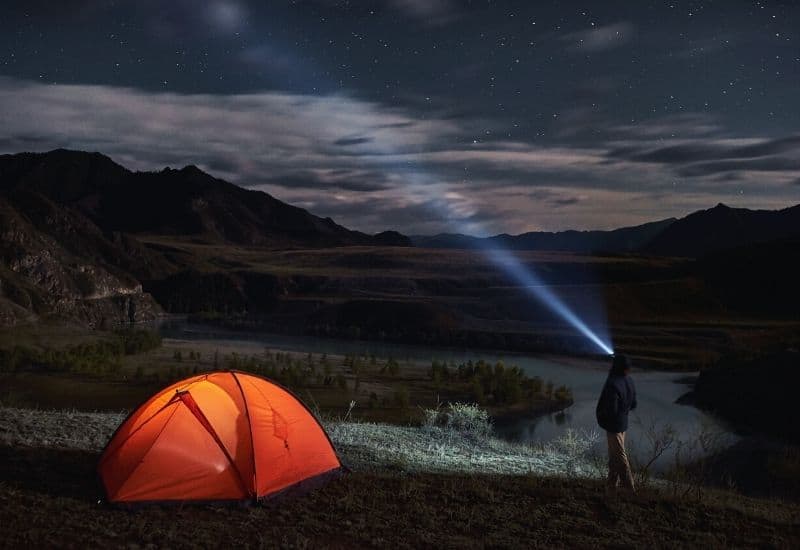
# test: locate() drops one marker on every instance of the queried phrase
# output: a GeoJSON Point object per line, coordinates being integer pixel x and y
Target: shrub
{"type": "Point", "coordinates": [563, 393]}
{"type": "Point", "coordinates": [136, 341]}
{"type": "Point", "coordinates": [392, 367]}
{"type": "Point", "coordinates": [495, 384]}
{"type": "Point", "coordinates": [463, 418]}
{"type": "Point", "coordinates": [476, 391]}
{"type": "Point", "coordinates": [401, 397]}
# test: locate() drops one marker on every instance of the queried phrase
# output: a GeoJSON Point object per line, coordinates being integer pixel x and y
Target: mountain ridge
{"type": "Point", "coordinates": [87, 240]}
{"type": "Point", "coordinates": [185, 201]}
{"type": "Point", "coordinates": [695, 235]}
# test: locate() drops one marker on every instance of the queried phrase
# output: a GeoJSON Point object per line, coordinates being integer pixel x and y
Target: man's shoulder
{"type": "Point", "coordinates": [618, 382]}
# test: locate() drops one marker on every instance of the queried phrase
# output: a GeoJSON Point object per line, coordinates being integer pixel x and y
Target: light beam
{"type": "Point", "coordinates": [420, 186]}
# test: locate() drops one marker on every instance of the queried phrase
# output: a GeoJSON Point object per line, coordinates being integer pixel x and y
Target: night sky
{"type": "Point", "coordinates": [425, 115]}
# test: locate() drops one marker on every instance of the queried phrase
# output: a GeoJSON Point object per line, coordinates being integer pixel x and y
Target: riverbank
{"type": "Point", "coordinates": [376, 386]}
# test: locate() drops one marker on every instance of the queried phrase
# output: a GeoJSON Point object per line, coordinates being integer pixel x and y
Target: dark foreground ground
{"type": "Point", "coordinates": [50, 498]}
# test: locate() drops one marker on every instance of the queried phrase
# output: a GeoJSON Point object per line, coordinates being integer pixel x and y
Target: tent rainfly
{"type": "Point", "coordinates": [213, 437]}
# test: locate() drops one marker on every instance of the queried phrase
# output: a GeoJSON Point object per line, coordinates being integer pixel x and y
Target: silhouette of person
{"type": "Point", "coordinates": [617, 399]}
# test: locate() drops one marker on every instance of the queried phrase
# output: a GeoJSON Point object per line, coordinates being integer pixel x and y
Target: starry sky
{"type": "Point", "coordinates": [425, 116]}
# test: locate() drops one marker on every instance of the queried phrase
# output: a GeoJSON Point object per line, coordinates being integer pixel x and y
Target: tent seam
{"type": "Point", "coordinates": [138, 428]}
{"type": "Point", "coordinates": [252, 441]}
{"type": "Point", "coordinates": [212, 432]}
{"type": "Point", "coordinates": [155, 439]}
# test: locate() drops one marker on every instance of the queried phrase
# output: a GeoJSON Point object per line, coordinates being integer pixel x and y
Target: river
{"type": "Point", "coordinates": [657, 390]}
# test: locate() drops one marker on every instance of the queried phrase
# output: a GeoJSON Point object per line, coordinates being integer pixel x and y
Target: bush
{"type": "Point", "coordinates": [563, 393]}
{"type": "Point", "coordinates": [402, 397]}
{"type": "Point", "coordinates": [494, 384]}
{"type": "Point", "coordinates": [476, 391]}
{"type": "Point", "coordinates": [463, 418]}
{"type": "Point", "coordinates": [536, 385]}
{"type": "Point", "coordinates": [138, 340]}
{"type": "Point", "coordinates": [392, 367]}
{"type": "Point", "coordinates": [95, 358]}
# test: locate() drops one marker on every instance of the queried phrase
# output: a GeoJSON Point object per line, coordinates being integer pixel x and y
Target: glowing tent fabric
{"type": "Point", "coordinates": [216, 436]}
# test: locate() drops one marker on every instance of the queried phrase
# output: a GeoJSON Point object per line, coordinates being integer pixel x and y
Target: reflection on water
{"type": "Point", "coordinates": [657, 391]}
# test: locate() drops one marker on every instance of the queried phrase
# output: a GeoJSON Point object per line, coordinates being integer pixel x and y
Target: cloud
{"type": "Point", "coordinates": [714, 156]}
{"type": "Point", "coordinates": [671, 126]}
{"type": "Point", "coordinates": [600, 39]}
{"type": "Point", "coordinates": [346, 142]}
{"type": "Point", "coordinates": [374, 167]}
{"type": "Point", "coordinates": [330, 180]}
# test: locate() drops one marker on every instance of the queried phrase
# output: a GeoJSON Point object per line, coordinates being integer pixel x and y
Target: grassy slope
{"type": "Point", "coordinates": [49, 498]}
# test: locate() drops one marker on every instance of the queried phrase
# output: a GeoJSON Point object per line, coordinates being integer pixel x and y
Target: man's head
{"type": "Point", "coordinates": [620, 364]}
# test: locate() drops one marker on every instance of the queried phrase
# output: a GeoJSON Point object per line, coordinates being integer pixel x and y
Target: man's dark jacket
{"type": "Point", "coordinates": [617, 399]}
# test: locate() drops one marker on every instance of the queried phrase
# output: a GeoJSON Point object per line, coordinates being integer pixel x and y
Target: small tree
{"type": "Point", "coordinates": [476, 391]}
{"type": "Point", "coordinates": [402, 397]}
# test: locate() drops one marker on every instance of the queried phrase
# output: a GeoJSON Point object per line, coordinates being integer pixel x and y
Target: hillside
{"type": "Point", "coordinates": [89, 242]}
{"type": "Point", "coordinates": [56, 263]}
{"type": "Point", "coordinates": [721, 228]}
{"type": "Point", "coordinates": [186, 202]}
{"type": "Point", "coordinates": [49, 496]}
{"type": "Point", "coordinates": [72, 224]}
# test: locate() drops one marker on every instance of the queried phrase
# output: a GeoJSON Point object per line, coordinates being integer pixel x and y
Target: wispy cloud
{"type": "Point", "coordinates": [373, 167]}
{"type": "Point", "coordinates": [693, 158]}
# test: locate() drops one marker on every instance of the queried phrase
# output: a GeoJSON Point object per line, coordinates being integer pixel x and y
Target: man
{"type": "Point", "coordinates": [617, 399]}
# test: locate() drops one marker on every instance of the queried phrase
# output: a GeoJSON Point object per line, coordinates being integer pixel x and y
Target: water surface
{"type": "Point", "coordinates": [657, 391]}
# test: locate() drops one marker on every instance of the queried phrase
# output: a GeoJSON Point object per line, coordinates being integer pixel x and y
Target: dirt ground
{"type": "Point", "coordinates": [50, 498]}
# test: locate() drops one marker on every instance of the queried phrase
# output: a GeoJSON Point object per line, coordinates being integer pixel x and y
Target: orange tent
{"type": "Point", "coordinates": [216, 436]}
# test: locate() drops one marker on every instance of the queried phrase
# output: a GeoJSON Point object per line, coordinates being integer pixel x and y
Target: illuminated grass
{"type": "Point", "coordinates": [362, 446]}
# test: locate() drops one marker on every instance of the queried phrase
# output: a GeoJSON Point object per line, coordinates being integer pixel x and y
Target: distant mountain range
{"type": "Point", "coordinates": [627, 239]}
{"type": "Point", "coordinates": [171, 202]}
{"type": "Point", "coordinates": [82, 237]}
{"type": "Point", "coordinates": [696, 235]}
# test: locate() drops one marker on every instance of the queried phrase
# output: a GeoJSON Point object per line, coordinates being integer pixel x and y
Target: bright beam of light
{"type": "Point", "coordinates": [504, 259]}
{"type": "Point", "coordinates": [454, 210]}
{"type": "Point", "coordinates": [537, 288]}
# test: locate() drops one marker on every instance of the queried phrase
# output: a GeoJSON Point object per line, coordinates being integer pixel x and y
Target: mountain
{"type": "Point", "coordinates": [696, 235]}
{"type": "Point", "coordinates": [55, 262]}
{"type": "Point", "coordinates": [757, 277]}
{"type": "Point", "coordinates": [70, 224]}
{"type": "Point", "coordinates": [446, 240]}
{"type": "Point", "coordinates": [185, 202]}
{"type": "Point", "coordinates": [626, 239]}
{"type": "Point", "coordinates": [721, 228]}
